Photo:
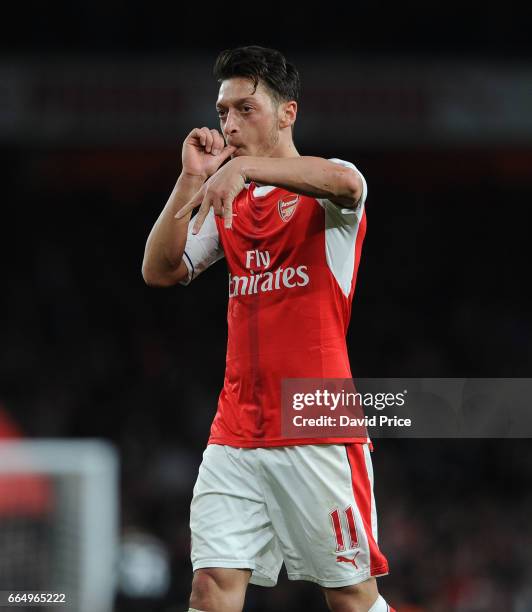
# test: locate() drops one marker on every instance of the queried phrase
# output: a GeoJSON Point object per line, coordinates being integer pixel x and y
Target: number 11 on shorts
{"type": "Point", "coordinates": [338, 531]}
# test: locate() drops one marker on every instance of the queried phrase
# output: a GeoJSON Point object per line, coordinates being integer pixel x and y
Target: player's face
{"type": "Point", "coordinates": [249, 121]}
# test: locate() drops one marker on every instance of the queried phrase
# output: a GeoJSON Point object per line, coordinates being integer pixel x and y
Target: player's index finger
{"type": "Point", "coordinates": [189, 206]}
{"type": "Point", "coordinates": [200, 217]}
{"type": "Point", "coordinates": [183, 211]}
{"type": "Point", "coordinates": [218, 142]}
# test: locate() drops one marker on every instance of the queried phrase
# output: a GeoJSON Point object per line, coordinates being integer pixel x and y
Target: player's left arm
{"type": "Point", "coordinates": [311, 176]}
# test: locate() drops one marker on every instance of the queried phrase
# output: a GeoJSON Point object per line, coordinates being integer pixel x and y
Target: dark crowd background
{"type": "Point", "coordinates": [87, 350]}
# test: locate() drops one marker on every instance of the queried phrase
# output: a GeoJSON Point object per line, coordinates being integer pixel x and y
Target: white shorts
{"type": "Point", "coordinates": [311, 506]}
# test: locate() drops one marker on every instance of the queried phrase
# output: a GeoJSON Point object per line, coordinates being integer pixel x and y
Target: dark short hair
{"type": "Point", "coordinates": [260, 64]}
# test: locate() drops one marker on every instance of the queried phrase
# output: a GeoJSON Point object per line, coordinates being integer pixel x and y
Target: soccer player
{"type": "Point", "coordinates": [291, 229]}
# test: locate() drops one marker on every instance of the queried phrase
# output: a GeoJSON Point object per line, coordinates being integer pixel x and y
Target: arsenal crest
{"type": "Point", "coordinates": [287, 206]}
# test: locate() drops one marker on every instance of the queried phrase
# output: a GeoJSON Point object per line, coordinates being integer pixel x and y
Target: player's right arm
{"type": "Point", "coordinates": [204, 151]}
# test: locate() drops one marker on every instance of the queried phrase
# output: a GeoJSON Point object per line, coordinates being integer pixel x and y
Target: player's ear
{"type": "Point", "coordinates": [287, 113]}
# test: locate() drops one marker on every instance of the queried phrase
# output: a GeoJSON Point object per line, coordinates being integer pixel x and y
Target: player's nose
{"type": "Point", "coordinates": [231, 126]}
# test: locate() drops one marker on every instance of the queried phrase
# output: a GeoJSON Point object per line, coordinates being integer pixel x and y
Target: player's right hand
{"type": "Point", "coordinates": [204, 151]}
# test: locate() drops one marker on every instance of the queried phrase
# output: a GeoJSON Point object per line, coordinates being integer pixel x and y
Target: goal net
{"type": "Point", "coordinates": [59, 522]}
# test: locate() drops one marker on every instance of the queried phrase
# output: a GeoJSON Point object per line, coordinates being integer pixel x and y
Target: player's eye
{"type": "Point", "coordinates": [246, 109]}
{"type": "Point", "coordinates": [221, 112]}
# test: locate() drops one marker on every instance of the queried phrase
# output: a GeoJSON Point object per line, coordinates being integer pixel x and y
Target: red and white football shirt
{"type": "Point", "coordinates": [292, 262]}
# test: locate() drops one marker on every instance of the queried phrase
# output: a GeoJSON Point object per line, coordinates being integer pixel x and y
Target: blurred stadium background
{"type": "Point", "coordinates": [434, 104]}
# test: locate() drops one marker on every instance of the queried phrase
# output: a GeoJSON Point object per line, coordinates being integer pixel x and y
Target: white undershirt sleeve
{"type": "Point", "coordinates": [341, 231]}
{"type": "Point", "coordinates": [202, 249]}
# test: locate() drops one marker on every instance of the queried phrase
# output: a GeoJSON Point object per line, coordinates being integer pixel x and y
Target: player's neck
{"type": "Point", "coordinates": [287, 149]}
{"type": "Point", "coordinates": [281, 150]}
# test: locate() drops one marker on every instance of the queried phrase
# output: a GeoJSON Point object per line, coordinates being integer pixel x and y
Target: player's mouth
{"type": "Point", "coordinates": [239, 150]}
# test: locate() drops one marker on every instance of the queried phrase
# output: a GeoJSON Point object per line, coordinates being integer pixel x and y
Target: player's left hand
{"type": "Point", "coordinates": [219, 191]}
